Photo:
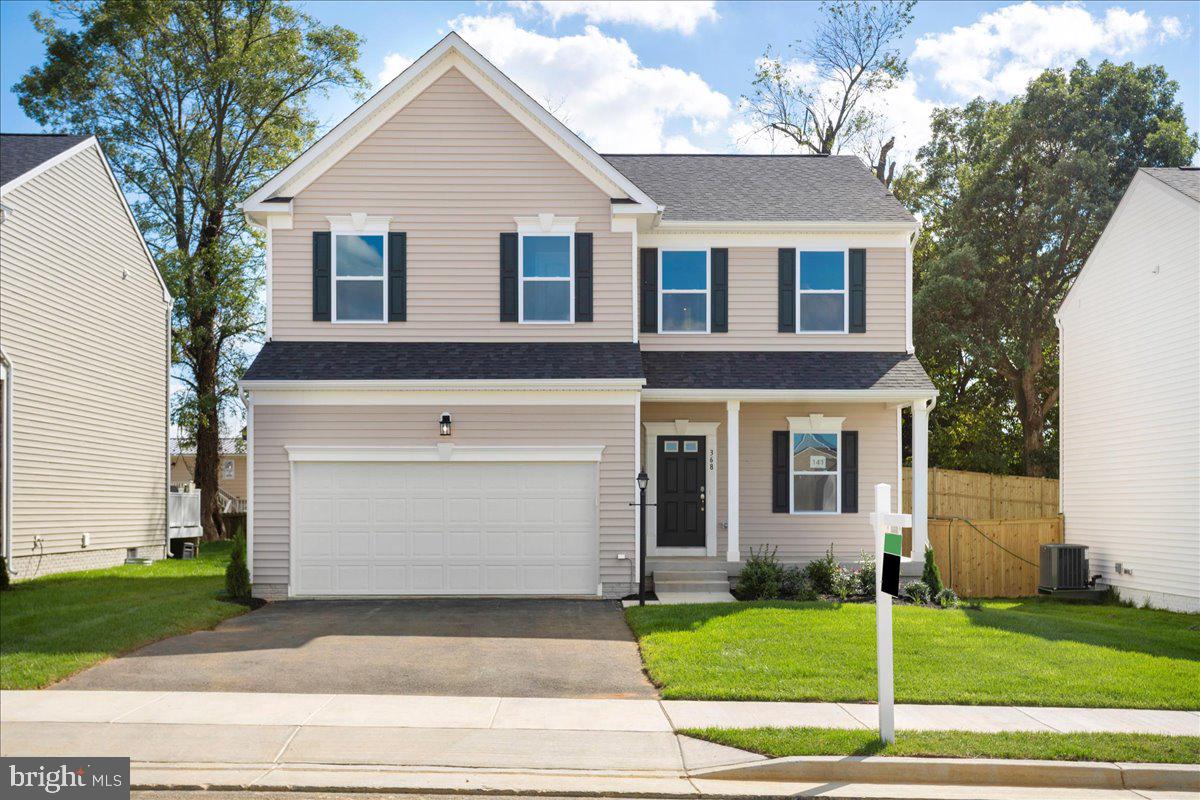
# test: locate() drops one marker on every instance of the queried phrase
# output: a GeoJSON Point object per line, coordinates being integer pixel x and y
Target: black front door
{"type": "Point", "coordinates": [681, 491]}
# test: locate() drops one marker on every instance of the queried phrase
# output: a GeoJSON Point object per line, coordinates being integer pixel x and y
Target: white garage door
{"type": "Point", "coordinates": [445, 528]}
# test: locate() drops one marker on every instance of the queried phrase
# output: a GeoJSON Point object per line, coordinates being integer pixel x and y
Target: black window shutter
{"type": "Point", "coordinates": [858, 291]}
{"type": "Point", "coordinates": [779, 471]}
{"type": "Point", "coordinates": [719, 295]}
{"type": "Point", "coordinates": [508, 277]}
{"type": "Point", "coordinates": [583, 277]}
{"type": "Point", "coordinates": [849, 456]}
{"type": "Point", "coordinates": [397, 277]}
{"type": "Point", "coordinates": [787, 290]}
{"type": "Point", "coordinates": [649, 305]}
{"type": "Point", "coordinates": [321, 260]}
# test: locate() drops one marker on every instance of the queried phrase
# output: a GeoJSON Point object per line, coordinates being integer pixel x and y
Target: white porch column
{"type": "Point", "coordinates": [733, 409]}
{"type": "Point", "coordinates": [920, 478]}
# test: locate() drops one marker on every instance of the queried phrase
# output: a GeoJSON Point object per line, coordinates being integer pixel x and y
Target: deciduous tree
{"type": "Point", "coordinates": [196, 102]}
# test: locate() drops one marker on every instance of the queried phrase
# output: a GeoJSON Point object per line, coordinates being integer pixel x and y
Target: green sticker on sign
{"type": "Point", "coordinates": [893, 543]}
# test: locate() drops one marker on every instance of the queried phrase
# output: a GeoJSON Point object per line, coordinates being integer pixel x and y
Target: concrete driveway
{"type": "Point", "coordinates": [482, 648]}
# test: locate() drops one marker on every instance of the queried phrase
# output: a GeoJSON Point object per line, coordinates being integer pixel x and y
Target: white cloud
{"type": "Point", "coordinates": [599, 87]}
{"type": "Point", "coordinates": [661, 15]}
{"type": "Point", "coordinates": [997, 55]}
{"type": "Point", "coordinates": [1170, 28]}
{"type": "Point", "coordinates": [393, 65]}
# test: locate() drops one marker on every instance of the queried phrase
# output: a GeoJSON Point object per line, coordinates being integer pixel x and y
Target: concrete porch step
{"type": "Point", "coordinates": [690, 575]}
{"type": "Point", "coordinates": [691, 586]}
{"type": "Point", "coordinates": [686, 564]}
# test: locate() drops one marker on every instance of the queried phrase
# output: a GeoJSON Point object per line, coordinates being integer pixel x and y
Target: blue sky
{"type": "Point", "coordinates": [650, 76]}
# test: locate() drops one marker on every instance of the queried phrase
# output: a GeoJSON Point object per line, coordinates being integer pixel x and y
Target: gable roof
{"type": "Point", "coordinates": [228, 445]}
{"type": "Point", "coordinates": [449, 53]}
{"type": "Point", "coordinates": [1183, 179]}
{"type": "Point", "coordinates": [787, 188]}
{"type": "Point", "coordinates": [23, 152]}
{"type": "Point", "coordinates": [34, 153]}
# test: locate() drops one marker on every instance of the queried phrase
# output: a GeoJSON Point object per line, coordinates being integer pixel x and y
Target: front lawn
{"type": "Point", "coordinates": [780, 742]}
{"type": "Point", "coordinates": [55, 626]}
{"type": "Point", "coordinates": [1024, 652]}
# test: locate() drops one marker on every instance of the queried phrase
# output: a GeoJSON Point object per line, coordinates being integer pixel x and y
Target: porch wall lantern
{"type": "Point", "coordinates": [444, 423]}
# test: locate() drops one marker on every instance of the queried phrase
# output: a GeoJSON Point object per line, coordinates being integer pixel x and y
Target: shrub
{"type": "Point", "coordinates": [946, 598]}
{"type": "Point", "coordinates": [932, 576]}
{"type": "Point", "coordinates": [845, 583]}
{"type": "Point", "coordinates": [822, 574]}
{"type": "Point", "coordinates": [761, 576]}
{"type": "Point", "coordinates": [3, 573]}
{"type": "Point", "coordinates": [866, 575]}
{"type": "Point", "coordinates": [918, 592]}
{"type": "Point", "coordinates": [237, 576]}
{"type": "Point", "coordinates": [794, 585]}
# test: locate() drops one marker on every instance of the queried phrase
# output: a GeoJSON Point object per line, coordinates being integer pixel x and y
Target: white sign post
{"type": "Point", "coordinates": [882, 520]}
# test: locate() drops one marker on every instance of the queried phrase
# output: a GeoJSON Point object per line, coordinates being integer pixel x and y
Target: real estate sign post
{"type": "Point", "coordinates": [888, 543]}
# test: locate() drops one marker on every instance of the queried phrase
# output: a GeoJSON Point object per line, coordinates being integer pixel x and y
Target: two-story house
{"type": "Point", "coordinates": [481, 330]}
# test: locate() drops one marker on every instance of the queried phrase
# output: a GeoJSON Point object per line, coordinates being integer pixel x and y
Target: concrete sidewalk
{"type": "Point", "coordinates": [553, 714]}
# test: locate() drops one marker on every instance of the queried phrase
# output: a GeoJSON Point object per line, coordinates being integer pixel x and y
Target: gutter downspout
{"type": "Point", "coordinates": [6, 371]}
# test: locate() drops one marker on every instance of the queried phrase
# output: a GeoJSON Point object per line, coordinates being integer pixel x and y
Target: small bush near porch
{"type": "Point", "coordinates": [1026, 652]}
{"type": "Point", "coordinates": [55, 626]}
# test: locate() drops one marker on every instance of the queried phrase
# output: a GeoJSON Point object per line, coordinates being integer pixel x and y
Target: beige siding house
{"type": "Point", "coordinates": [231, 470]}
{"type": "Point", "coordinates": [1130, 446]}
{"type": "Point", "coordinates": [84, 349]}
{"type": "Point", "coordinates": [480, 332]}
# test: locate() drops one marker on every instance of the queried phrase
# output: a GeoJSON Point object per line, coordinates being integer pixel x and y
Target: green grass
{"type": "Point", "coordinates": [55, 626]}
{"type": "Point", "coordinates": [1139, 747]}
{"type": "Point", "coordinates": [1028, 652]}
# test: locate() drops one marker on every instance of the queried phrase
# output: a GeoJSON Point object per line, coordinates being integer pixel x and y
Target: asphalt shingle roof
{"type": "Point", "coordinates": [762, 188]}
{"type": "Point", "coordinates": [230, 445]}
{"type": "Point", "coordinates": [810, 370]}
{"type": "Point", "coordinates": [21, 152]}
{"type": "Point", "coordinates": [1184, 179]}
{"type": "Point", "coordinates": [439, 361]}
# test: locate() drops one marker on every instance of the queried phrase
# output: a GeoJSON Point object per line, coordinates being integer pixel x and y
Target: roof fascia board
{"type": "Point", "coordinates": [92, 142]}
{"type": "Point", "coordinates": [788, 395]}
{"type": "Point", "coordinates": [527, 385]}
{"type": "Point", "coordinates": [784, 226]}
{"type": "Point", "coordinates": [451, 51]}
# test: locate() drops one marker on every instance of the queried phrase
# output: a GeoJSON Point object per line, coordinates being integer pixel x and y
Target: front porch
{"type": "Point", "coordinates": [730, 474]}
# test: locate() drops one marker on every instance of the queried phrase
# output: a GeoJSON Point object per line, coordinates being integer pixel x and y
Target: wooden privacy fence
{"type": "Point", "coordinates": [991, 557]}
{"type": "Point", "coordinates": [978, 495]}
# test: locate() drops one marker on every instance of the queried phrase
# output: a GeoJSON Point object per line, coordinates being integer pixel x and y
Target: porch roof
{"type": "Point", "coordinates": [734, 370]}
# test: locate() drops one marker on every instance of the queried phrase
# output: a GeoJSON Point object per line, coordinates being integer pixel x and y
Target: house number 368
{"type": "Point", "coordinates": [712, 459]}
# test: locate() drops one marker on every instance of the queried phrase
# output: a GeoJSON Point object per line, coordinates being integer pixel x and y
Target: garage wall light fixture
{"type": "Point", "coordinates": [444, 423]}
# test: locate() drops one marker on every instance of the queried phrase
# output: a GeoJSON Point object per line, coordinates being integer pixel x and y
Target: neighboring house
{"type": "Point", "coordinates": [1130, 386]}
{"type": "Point", "coordinates": [84, 357]}
{"type": "Point", "coordinates": [231, 470]}
{"type": "Point", "coordinates": [479, 330]}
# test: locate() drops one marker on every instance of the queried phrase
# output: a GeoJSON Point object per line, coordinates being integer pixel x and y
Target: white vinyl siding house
{"type": "Point", "coordinates": [85, 340]}
{"type": "Point", "coordinates": [1130, 433]}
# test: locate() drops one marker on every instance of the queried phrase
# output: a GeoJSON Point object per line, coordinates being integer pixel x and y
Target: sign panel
{"type": "Point", "coordinates": [889, 570]}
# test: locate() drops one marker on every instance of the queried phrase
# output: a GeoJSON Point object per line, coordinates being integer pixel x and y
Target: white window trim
{"type": "Point", "coordinates": [844, 291]}
{"type": "Point", "coordinates": [707, 290]}
{"type": "Point", "coordinates": [357, 224]}
{"type": "Point", "coordinates": [546, 225]}
{"type": "Point", "coordinates": [813, 423]}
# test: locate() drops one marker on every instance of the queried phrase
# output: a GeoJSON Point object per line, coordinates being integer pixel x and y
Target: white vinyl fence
{"type": "Point", "coordinates": [183, 512]}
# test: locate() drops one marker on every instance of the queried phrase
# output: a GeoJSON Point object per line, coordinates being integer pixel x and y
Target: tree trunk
{"type": "Point", "coordinates": [208, 431]}
{"type": "Point", "coordinates": [1033, 424]}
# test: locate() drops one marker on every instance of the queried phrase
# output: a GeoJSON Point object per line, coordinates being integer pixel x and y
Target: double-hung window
{"type": "Point", "coordinates": [359, 277]}
{"type": "Point", "coordinates": [821, 296]}
{"type": "Point", "coordinates": [685, 278]}
{"type": "Point", "coordinates": [816, 465]}
{"type": "Point", "coordinates": [547, 278]}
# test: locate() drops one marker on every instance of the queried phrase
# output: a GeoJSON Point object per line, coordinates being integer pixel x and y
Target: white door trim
{"type": "Point", "coordinates": [682, 427]}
